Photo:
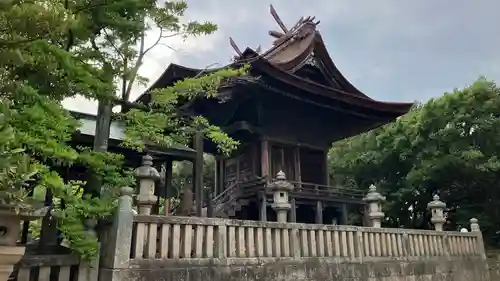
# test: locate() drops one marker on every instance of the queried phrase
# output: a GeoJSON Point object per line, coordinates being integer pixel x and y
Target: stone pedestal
{"type": "Point", "coordinates": [9, 256]}
{"type": "Point", "coordinates": [10, 229]}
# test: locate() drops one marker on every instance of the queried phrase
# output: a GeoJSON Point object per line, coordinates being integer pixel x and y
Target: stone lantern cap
{"type": "Point", "coordinates": [436, 203]}
{"type": "Point", "coordinates": [126, 191]}
{"type": "Point", "coordinates": [373, 195]}
{"type": "Point", "coordinates": [280, 183]}
{"type": "Point", "coordinates": [146, 170]}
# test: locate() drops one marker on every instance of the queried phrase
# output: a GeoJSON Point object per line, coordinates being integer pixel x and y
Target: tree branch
{"type": "Point", "coordinates": [89, 6]}
{"type": "Point", "coordinates": [106, 36]}
{"type": "Point", "coordinates": [135, 69]}
{"type": "Point", "coordinates": [144, 52]}
{"type": "Point", "coordinates": [9, 43]}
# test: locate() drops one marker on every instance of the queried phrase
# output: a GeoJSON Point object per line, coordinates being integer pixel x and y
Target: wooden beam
{"type": "Point", "coordinates": [280, 141]}
{"type": "Point", "coordinates": [198, 173]}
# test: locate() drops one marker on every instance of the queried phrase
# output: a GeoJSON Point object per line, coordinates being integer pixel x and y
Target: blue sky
{"type": "Point", "coordinates": [391, 50]}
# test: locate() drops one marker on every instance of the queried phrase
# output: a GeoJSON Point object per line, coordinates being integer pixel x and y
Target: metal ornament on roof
{"type": "Point", "coordinates": [302, 28]}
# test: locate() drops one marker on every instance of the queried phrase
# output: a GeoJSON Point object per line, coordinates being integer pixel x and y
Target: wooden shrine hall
{"type": "Point", "coordinates": [286, 117]}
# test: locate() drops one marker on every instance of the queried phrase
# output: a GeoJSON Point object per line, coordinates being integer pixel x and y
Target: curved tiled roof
{"type": "Point", "coordinates": [291, 51]}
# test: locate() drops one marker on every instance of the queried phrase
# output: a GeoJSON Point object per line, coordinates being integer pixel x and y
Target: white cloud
{"type": "Point", "coordinates": [392, 50]}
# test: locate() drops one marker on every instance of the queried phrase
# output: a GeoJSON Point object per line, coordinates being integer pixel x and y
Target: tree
{"type": "Point", "coordinates": [448, 146]}
{"type": "Point", "coordinates": [56, 49]}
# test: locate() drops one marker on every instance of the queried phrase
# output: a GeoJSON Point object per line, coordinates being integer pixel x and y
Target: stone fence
{"type": "Point", "coordinates": [151, 247]}
{"type": "Point", "coordinates": [55, 266]}
{"type": "Point", "coordinates": [173, 238]}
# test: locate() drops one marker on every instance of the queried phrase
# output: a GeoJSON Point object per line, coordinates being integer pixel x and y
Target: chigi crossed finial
{"type": "Point", "coordinates": [303, 27]}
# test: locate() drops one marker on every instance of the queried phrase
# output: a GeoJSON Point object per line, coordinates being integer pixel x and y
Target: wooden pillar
{"type": "Point", "coordinates": [48, 232]}
{"type": "Point", "coordinates": [221, 175]}
{"type": "Point", "coordinates": [217, 178]}
{"type": "Point", "coordinates": [297, 164]}
{"type": "Point", "coordinates": [210, 205]}
{"type": "Point", "coordinates": [198, 173]}
{"type": "Point", "coordinates": [343, 213]}
{"type": "Point", "coordinates": [262, 206]}
{"type": "Point", "coordinates": [325, 170]}
{"type": "Point", "coordinates": [293, 210]}
{"type": "Point", "coordinates": [168, 186]}
{"type": "Point", "coordinates": [264, 150]}
{"type": "Point", "coordinates": [319, 212]}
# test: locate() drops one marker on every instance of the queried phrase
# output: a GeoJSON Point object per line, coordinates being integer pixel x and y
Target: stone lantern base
{"type": "Point", "coordinates": [10, 228]}
{"type": "Point", "coordinates": [9, 256]}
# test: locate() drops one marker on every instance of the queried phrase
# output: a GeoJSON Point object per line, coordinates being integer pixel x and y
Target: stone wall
{"type": "Point", "coordinates": [209, 249]}
{"type": "Point", "coordinates": [494, 264]}
{"type": "Point", "coordinates": [314, 269]}
{"type": "Point", "coordinates": [154, 248]}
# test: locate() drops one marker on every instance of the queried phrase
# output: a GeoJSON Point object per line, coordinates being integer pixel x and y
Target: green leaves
{"type": "Point", "coordinates": [16, 167]}
{"type": "Point", "coordinates": [165, 126]}
{"type": "Point", "coordinates": [449, 146]}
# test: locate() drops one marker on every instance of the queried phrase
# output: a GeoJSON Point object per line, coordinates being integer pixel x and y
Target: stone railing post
{"type": "Point", "coordinates": [374, 201]}
{"type": "Point", "coordinates": [474, 228]}
{"type": "Point", "coordinates": [281, 188]}
{"type": "Point", "coordinates": [146, 175]}
{"type": "Point", "coordinates": [437, 212]}
{"type": "Point", "coordinates": [117, 242]}
{"type": "Point", "coordinates": [89, 271]}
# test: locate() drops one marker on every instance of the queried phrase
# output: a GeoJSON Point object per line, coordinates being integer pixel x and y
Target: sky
{"type": "Point", "coordinates": [392, 50]}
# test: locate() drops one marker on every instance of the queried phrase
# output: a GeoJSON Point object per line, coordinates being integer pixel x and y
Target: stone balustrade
{"type": "Point", "coordinates": [55, 267]}
{"type": "Point", "coordinates": [159, 237]}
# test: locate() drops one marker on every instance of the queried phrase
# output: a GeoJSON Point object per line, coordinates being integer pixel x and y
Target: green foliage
{"type": "Point", "coordinates": [51, 50]}
{"type": "Point", "coordinates": [146, 127]}
{"type": "Point", "coordinates": [448, 146]}
{"type": "Point", "coordinates": [16, 168]}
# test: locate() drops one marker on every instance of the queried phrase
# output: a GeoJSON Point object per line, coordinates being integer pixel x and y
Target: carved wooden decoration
{"type": "Point", "coordinates": [277, 19]}
{"type": "Point", "coordinates": [235, 47]}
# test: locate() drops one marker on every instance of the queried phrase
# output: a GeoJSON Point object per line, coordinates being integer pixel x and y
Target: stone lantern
{"type": "Point", "coordinates": [374, 200]}
{"type": "Point", "coordinates": [437, 213]}
{"type": "Point", "coordinates": [146, 176]}
{"type": "Point", "coordinates": [281, 188]}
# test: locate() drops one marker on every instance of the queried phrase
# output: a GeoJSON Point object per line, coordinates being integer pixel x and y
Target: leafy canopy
{"type": "Point", "coordinates": [449, 146]}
